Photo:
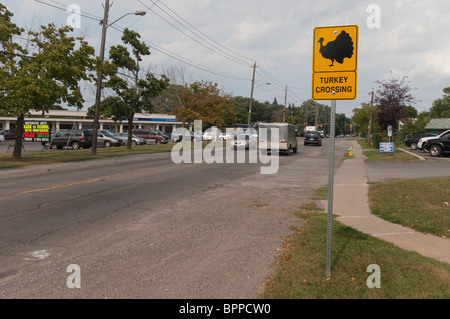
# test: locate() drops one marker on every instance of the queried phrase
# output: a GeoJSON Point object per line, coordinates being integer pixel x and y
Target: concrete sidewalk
{"type": "Point", "coordinates": [350, 203]}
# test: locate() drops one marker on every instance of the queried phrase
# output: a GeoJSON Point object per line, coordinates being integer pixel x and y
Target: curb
{"type": "Point", "coordinates": [418, 156]}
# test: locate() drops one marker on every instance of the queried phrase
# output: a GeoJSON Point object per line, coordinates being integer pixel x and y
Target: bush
{"type": "Point", "coordinates": [376, 139]}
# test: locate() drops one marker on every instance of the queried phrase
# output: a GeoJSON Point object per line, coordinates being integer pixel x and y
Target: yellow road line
{"type": "Point", "coordinates": [59, 186]}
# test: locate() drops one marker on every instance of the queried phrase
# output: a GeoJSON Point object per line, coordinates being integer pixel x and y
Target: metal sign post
{"type": "Point", "coordinates": [334, 77]}
{"type": "Point", "coordinates": [330, 187]}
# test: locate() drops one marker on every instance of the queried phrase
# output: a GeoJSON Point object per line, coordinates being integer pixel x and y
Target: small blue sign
{"type": "Point", "coordinates": [387, 147]}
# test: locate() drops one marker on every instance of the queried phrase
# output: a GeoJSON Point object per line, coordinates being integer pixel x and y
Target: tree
{"type": "Point", "coordinates": [133, 94]}
{"type": "Point", "coordinates": [204, 101]}
{"type": "Point", "coordinates": [45, 74]}
{"type": "Point", "coordinates": [391, 97]}
{"type": "Point", "coordinates": [418, 126]}
{"type": "Point", "coordinates": [411, 112]}
{"type": "Point", "coordinates": [441, 107]}
{"type": "Point", "coordinates": [241, 105]}
{"type": "Point", "coordinates": [361, 117]}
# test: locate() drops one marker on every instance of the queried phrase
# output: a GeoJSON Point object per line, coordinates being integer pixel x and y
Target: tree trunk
{"type": "Point", "coordinates": [130, 131]}
{"type": "Point", "coordinates": [17, 154]}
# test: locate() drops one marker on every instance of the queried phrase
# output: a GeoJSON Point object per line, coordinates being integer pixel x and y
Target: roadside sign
{"type": "Point", "coordinates": [36, 131]}
{"type": "Point", "coordinates": [387, 147]}
{"type": "Point", "coordinates": [335, 54]}
{"type": "Point", "coordinates": [389, 130]}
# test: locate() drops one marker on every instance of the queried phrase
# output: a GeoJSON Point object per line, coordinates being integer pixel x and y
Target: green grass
{"type": "Point", "coordinates": [60, 156]}
{"type": "Point", "coordinates": [363, 143]}
{"type": "Point", "coordinates": [375, 155]}
{"type": "Point", "coordinates": [321, 194]}
{"type": "Point", "coordinates": [420, 204]}
{"type": "Point", "coordinates": [397, 156]}
{"type": "Point", "coordinates": [301, 267]}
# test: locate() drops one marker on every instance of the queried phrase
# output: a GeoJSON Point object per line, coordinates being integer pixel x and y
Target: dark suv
{"type": "Point", "coordinates": [411, 141]}
{"type": "Point", "coordinates": [76, 139]}
{"type": "Point", "coordinates": [438, 146]}
{"type": "Point", "coordinates": [312, 137]}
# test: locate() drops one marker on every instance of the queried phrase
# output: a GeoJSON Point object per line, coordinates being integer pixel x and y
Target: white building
{"type": "Point", "coordinates": [79, 119]}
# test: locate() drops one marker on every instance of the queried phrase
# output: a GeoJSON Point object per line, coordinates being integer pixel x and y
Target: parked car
{"type": "Point", "coordinates": [227, 136]}
{"type": "Point", "coordinates": [210, 135]}
{"type": "Point", "coordinates": [438, 146]}
{"type": "Point", "coordinates": [134, 139]}
{"type": "Point", "coordinates": [177, 135]}
{"type": "Point", "coordinates": [411, 141]}
{"type": "Point", "coordinates": [9, 134]}
{"type": "Point", "coordinates": [165, 135]}
{"type": "Point", "coordinates": [424, 139]}
{"type": "Point", "coordinates": [107, 139]}
{"type": "Point", "coordinates": [312, 137]}
{"type": "Point", "coordinates": [243, 141]}
{"type": "Point", "coordinates": [151, 135]}
{"type": "Point", "coordinates": [73, 138]}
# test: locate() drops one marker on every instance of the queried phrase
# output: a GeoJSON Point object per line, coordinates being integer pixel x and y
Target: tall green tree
{"type": "Point", "coordinates": [441, 107]}
{"type": "Point", "coordinates": [132, 93]}
{"type": "Point", "coordinates": [45, 74]}
{"type": "Point", "coordinates": [361, 117]}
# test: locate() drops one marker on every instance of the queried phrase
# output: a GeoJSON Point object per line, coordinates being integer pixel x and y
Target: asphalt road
{"type": "Point", "coordinates": [144, 227]}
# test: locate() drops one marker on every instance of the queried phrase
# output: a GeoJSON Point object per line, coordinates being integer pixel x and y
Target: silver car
{"type": "Point", "coordinates": [134, 139]}
{"type": "Point", "coordinates": [243, 141]}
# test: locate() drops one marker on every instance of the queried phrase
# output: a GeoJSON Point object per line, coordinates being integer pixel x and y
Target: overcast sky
{"type": "Point", "coordinates": [219, 40]}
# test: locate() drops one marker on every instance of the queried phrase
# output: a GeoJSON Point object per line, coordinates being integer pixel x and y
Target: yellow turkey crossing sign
{"type": "Point", "coordinates": [335, 57]}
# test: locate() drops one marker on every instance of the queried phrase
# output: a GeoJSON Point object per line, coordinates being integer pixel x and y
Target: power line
{"type": "Point", "coordinates": [245, 59]}
{"type": "Point", "coordinates": [92, 17]}
{"type": "Point", "coordinates": [213, 49]}
{"type": "Point", "coordinates": [157, 48]}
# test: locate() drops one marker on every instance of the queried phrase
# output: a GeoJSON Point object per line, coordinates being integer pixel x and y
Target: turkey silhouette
{"type": "Point", "coordinates": [337, 50]}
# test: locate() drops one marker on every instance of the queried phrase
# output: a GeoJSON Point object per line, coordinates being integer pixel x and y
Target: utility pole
{"type": "Point", "coordinates": [99, 80]}
{"type": "Point", "coordinates": [251, 98]}
{"type": "Point", "coordinates": [284, 112]}
{"type": "Point", "coordinates": [317, 116]}
{"type": "Point", "coordinates": [370, 121]}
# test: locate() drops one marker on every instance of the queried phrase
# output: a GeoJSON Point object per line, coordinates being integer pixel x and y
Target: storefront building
{"type": "Point", "coordinates": [79, 119]}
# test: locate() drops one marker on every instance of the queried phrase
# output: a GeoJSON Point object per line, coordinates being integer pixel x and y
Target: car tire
{"type": "Point", "coordinates": [76, 145]}
{"type": "Point", "coordinates": [435, 150]}
{"type": "Point", "coordinates": [413, 146]}
{"type": "Point", "coordinates": [107, 144]}
{"type": "Point", "coordinates": [157, 142]}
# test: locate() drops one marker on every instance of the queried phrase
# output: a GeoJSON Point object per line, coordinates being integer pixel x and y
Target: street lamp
{"type": "Point", "coordinates": [100, 72]}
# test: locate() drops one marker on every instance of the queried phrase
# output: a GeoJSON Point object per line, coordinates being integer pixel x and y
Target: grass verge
{"type": "Point", "coordinates": [420, 204]}
{"type": "Point", "coordinates": [301, 267]}
{"type": "Point", "coordinates": [376, 155]}
{"type": "Point", "coordinates": [59, 156]}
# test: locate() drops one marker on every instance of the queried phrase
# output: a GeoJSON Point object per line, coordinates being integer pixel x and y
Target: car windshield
{"type": "Point", "coordinates": [311, 133]}
{"type": "Point", "coordinates": [107, 133]}
{"type": "Point", "coordinates": [444, 135]}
